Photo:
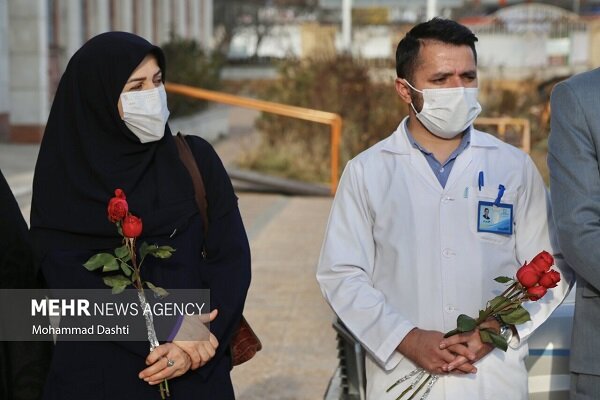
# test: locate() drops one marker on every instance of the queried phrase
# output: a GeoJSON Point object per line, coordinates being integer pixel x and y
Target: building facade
{"type": "Point", "coordinates": [534, 41]}
{"type": "Point", "coordinates": [38, 37]}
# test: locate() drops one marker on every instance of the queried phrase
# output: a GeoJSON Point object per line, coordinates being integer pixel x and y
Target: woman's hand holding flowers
{"type": "Point", "coordinates": [159, 368]}
{"type": "Point", "coordinates": [193, 327]}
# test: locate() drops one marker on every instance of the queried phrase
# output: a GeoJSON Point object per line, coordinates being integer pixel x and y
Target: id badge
{"type": "Point", "coordinates": [495, 218]}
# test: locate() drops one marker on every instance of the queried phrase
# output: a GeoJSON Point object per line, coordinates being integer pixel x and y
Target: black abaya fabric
{"type": "Point", "coordinates": [108, 370]}
{"type": "Point", "coordinates": [16, 267]}
{"type": "Point", "coordinates": [88, 151]}
{"type": "Point", "coordinates": [23, 365]}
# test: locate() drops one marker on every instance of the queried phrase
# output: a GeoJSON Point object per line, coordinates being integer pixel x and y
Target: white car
{"type": "Point", "coordinates": [548, 361]}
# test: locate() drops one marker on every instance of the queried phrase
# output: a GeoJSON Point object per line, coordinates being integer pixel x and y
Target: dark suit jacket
{"type": "Point", "coordinates": [574, 162]}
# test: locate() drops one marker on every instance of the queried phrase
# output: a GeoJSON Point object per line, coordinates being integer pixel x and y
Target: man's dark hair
{"type": "Point", "coordinates": [437, 29]}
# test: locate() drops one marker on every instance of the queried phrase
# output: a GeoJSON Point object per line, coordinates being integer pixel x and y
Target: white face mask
{"type": "Point", "coordinates": [145, 113]}
{"type": "Point", "coordinates": [447, 112]}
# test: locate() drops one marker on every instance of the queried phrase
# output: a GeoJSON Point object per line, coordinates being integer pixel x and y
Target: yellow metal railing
{"type": "Point", "coordinates": [521, 125]}
{"type": "Point", "coordinates": [307, 114]}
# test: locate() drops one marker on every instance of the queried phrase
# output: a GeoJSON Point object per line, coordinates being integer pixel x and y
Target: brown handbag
{"type": "Point", "coordinates": [244, 344]}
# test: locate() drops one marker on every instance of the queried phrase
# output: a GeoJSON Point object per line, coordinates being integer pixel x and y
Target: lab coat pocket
{"type": "Point", "coordinates": [488, 194]}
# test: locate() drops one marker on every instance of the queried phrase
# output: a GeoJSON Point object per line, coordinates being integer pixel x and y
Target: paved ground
{"type": "Point", "coordinates": [284, 304]}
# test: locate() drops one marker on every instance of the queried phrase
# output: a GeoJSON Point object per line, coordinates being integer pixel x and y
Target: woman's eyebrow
{"type": "Point", "coordinates": [136, 79]}
{"type": "Point", "coordinates": [143, 78]}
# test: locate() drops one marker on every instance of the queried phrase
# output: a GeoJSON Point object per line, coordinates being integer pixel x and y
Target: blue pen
{"type": "Point", "coordinates": [480, 183]}
{"type": "Point", "coordinates": [501, 189]}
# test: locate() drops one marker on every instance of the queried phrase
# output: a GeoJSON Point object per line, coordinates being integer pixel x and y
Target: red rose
{"type": "Point", "coordinates": [117, 206]}
{"type": "Point", "coordinates": [120, 193]}
{"type": "Point", "coordinates": [132, 226]}
{"type": "Point", "coordinates": [542, 262]}
{"type": "Point", "coordinates": [550, 279]}
{"type": "Point", "coordinates": [537, 292]}
{"type": "Point", "coordinates": [528, 276]}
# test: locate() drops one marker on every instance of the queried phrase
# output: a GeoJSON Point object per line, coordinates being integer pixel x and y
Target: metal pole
{"type": "Point", "coordinates": [347, 25]}
{"type": "Point", "coordinates": [207, 25]}
{"type": "Point", "coordinates": [431, 9]}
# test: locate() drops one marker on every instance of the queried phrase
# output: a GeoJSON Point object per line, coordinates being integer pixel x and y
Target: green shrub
{"type": "Point", "coordinates": [188, 64]}
{"type": "Point", "coordinates": [300, 149]}
{"type": "Point", "coordinates": [371, 111]}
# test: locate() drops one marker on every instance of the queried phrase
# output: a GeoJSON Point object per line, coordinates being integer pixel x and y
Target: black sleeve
{"type": "Point", "coordinates": [23, 365]}
{"type": "Point", "coordinates": [16, 262]}
{"type": "Point", "coordinates": [228, 261]}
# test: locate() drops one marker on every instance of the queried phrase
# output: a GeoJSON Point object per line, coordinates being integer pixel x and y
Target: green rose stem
{"type": "Point", "coordinates": [506, 306]}
{"type": "Point", "coordinates": [129, 227]}
{"type": "Point", "coordinates": [511, 297]}
{"type": "Point", "coordinates": [418, 389]}
{"type": "Point", "coordinates": [137, 282]}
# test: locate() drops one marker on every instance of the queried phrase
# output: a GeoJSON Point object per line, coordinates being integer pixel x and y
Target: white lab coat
{"type": "Point", "coordinates": [401, 252]}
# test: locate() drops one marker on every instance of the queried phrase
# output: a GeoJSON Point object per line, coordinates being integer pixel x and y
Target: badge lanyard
{"type": "Point", "coordinates": [494, 217]}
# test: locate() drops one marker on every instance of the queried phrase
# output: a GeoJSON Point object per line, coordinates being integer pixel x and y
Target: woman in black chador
{"type": "Point", "coordinates": [107, 129]}
{"type": "Point", "coordinates": [23, 365]}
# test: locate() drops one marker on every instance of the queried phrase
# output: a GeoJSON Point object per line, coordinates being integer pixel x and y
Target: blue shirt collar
{"type": "Point", "coordinates": [464, 143]}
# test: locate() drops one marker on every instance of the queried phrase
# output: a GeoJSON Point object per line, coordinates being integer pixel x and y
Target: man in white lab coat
{"type": "Point", "coordinates": [407, 250]}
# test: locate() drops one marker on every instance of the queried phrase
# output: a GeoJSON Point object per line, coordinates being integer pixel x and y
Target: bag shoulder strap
{"type": "Point", "coordinates": [244, 343]}
{"type": "Point", "coordinates": [189, 161]}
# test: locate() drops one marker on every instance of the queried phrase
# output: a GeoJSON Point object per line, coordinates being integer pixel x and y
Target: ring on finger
{"type": "Point", "coordinates": [170, 362]}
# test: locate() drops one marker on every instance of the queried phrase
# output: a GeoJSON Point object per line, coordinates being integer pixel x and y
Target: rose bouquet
{"type": "Point", "coordinates": [124, 264]}
{"type": "Point", "coordinates": [532, 282]}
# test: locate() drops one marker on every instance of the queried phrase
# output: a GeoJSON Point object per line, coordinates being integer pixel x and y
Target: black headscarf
{"type": "Point", "coordinates": [87, 152]}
